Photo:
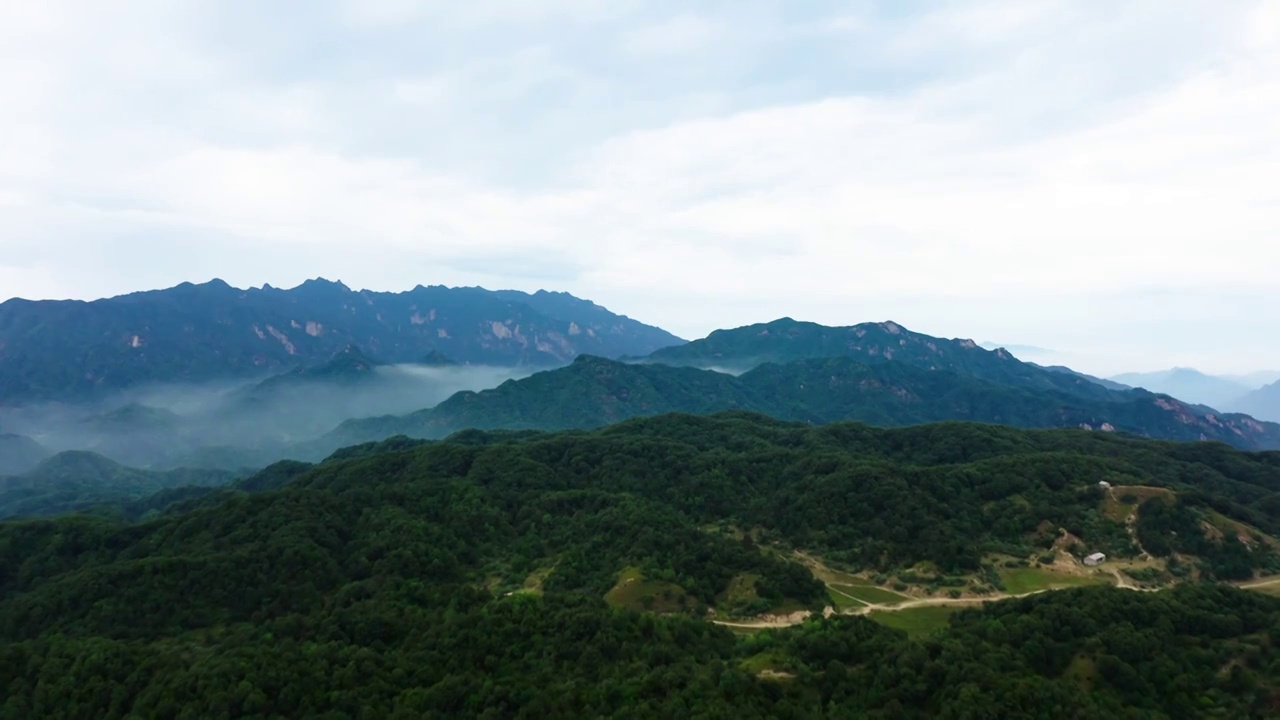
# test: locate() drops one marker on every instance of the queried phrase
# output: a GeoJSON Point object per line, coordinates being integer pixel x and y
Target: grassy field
{"type": "Point", "coordinates": [870, 594]}
{"type": "Point", "coordinates": [1235, 527]}
{"type": "Point", "coordinates": [1115, 509]}
{"type": "Point", "coordinates": [533, 583]}
{"type": "Point", "coordinates": [1083, 671]}
{"type": "Point", "coordinates": [742, 589]}
{"type": "Point", "coordinates": [830, 576]}
{"type": "Point", "coordinates": [1019, 581]}
{"type": "Point", "coordinates": [843, 602]}
{"type": "Point", "coordinates": [763, 662]}
{"type": "Point", "coordinates": [634, 592]}
{"type": "Point", "coordinates": [916, 621]}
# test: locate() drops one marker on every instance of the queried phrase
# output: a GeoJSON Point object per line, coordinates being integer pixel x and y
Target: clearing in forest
{"type": "Point", "coordinates": [842, 602]}
{"type": "Point", "coordinates": [1083, 671]}
{"type": "Point", "coordinates": [533, 583]}
{"type": "Point", "coordinates": [916, 621]}
{"type": "Point", "coordinates": [868, 593]}
{"type": "Point", "coordinates": [1020, 581]}
{"type": "Point", "coordinates": [1246, 533]}
{"type": "Point", "coordinates": [634, 592]}
{"type": "Point", "coordinates": [770, 664]}
{"type": "Point", "coordinates": [846, 588]}
{"type": "Point", "coordinates": [1122, 500]}
{"type": "Point", "coordinates": [741, 590]}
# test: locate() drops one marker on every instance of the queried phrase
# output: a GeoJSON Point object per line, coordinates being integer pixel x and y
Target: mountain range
{"type": "Point", "coordinates": [1263, 403]}
{"type": "Point", "coordinates": [879, 373]}
{"type": "Point", "coordinates": [1256, 394]}
{"type": "Point", "coordinates": [1190, 385]}
{"type": "Point", "coordinates": [431, 374]}
{"type": "Point", "coordinates": [74, 350]}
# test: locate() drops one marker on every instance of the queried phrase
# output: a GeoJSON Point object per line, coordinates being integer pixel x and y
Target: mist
{"type": "Point", "coordinates": [244, 424]}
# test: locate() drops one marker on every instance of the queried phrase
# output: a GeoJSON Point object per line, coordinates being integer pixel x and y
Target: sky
{"type": "Point", "coordinates": [1100, 178]}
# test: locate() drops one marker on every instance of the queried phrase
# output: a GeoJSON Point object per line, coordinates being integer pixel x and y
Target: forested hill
{"type": "Point", "coordinates": [493, 575]}
{"type": "Point", "coordinates": [71, 349]}
{"type": "Point", "coordinates": [787, 340]}
{"type": "Point", "coordinates": [76, 481]}
{"type": "Point", "coordinates": [593, 392]}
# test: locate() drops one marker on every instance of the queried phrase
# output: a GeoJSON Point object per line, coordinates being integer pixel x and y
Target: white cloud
{"type": "Point", "coordinates": [1035, 172]}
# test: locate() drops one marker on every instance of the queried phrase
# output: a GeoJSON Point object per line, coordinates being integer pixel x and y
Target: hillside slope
{"type": "Point", "coordinates": [71, 349]}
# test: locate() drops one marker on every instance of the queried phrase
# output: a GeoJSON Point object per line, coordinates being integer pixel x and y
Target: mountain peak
{"type": "Point", "coordinates": [350, 360]}
{"type": "Point", "coordinates": [435, 358]}
{"type": "Point", "coordinates": [319, 283]}
{"type": "Point", "coordinates": [77, 463]}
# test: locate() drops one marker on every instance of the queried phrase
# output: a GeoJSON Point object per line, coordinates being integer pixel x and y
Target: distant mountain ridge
{"type": "Point", "coordinates": [348, 365]}
{"type": "Point", "coordinates": [1188, 384]}
{"type": "Point", "coordinates": [1263, 403]}
{"type": "Point", "coordinates": [73, 349]}
{"type": "Point", "coordinates": [785, 340]}
{"type": "Point", "coordinates": [593, 392]}
{"type": "Point", "coordinates": [19, 453]}
{"type": "Point", "coordinates": [1109, 384]}
{"type": "Point", "coordinates": [77, 480]}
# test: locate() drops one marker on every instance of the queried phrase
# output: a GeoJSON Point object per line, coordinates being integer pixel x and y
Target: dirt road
{"type": "Point", "coordinates": [867, 608]}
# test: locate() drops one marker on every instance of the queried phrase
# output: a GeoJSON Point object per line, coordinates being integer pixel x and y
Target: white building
{"type": "Point", "coordinates": [1095, 559]}
{"type": "Point", "coordinates": [1104, 484]}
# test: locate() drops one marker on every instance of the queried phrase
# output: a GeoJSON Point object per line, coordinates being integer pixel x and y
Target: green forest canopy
{"type": "Point", "coordinates": [377, 583]}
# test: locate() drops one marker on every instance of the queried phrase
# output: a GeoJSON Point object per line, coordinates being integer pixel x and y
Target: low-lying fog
{"type": "Point", "coordinates": [233, 425]}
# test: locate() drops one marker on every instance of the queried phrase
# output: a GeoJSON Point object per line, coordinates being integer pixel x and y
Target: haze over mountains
{"type": "Point", "coordinates": [1253, 394]}
{"type": "Point", "coordinates": [214, 376]}
{"type": "Point", "coordinates": [197, 385]}
{"type": "Point", "coordinates": [1188, 384]}
{"type": "Point", "coordinates": [1263, 403]}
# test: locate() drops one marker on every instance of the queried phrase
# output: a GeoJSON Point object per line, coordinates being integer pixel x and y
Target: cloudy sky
{"type": "Point", "coordinates": [1098, 177]}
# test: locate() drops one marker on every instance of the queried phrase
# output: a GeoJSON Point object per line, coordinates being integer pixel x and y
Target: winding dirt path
{"type": "Point", "coordinates": [868, 608]}
{"type": "Point", "coordinates": [1260, 582]}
